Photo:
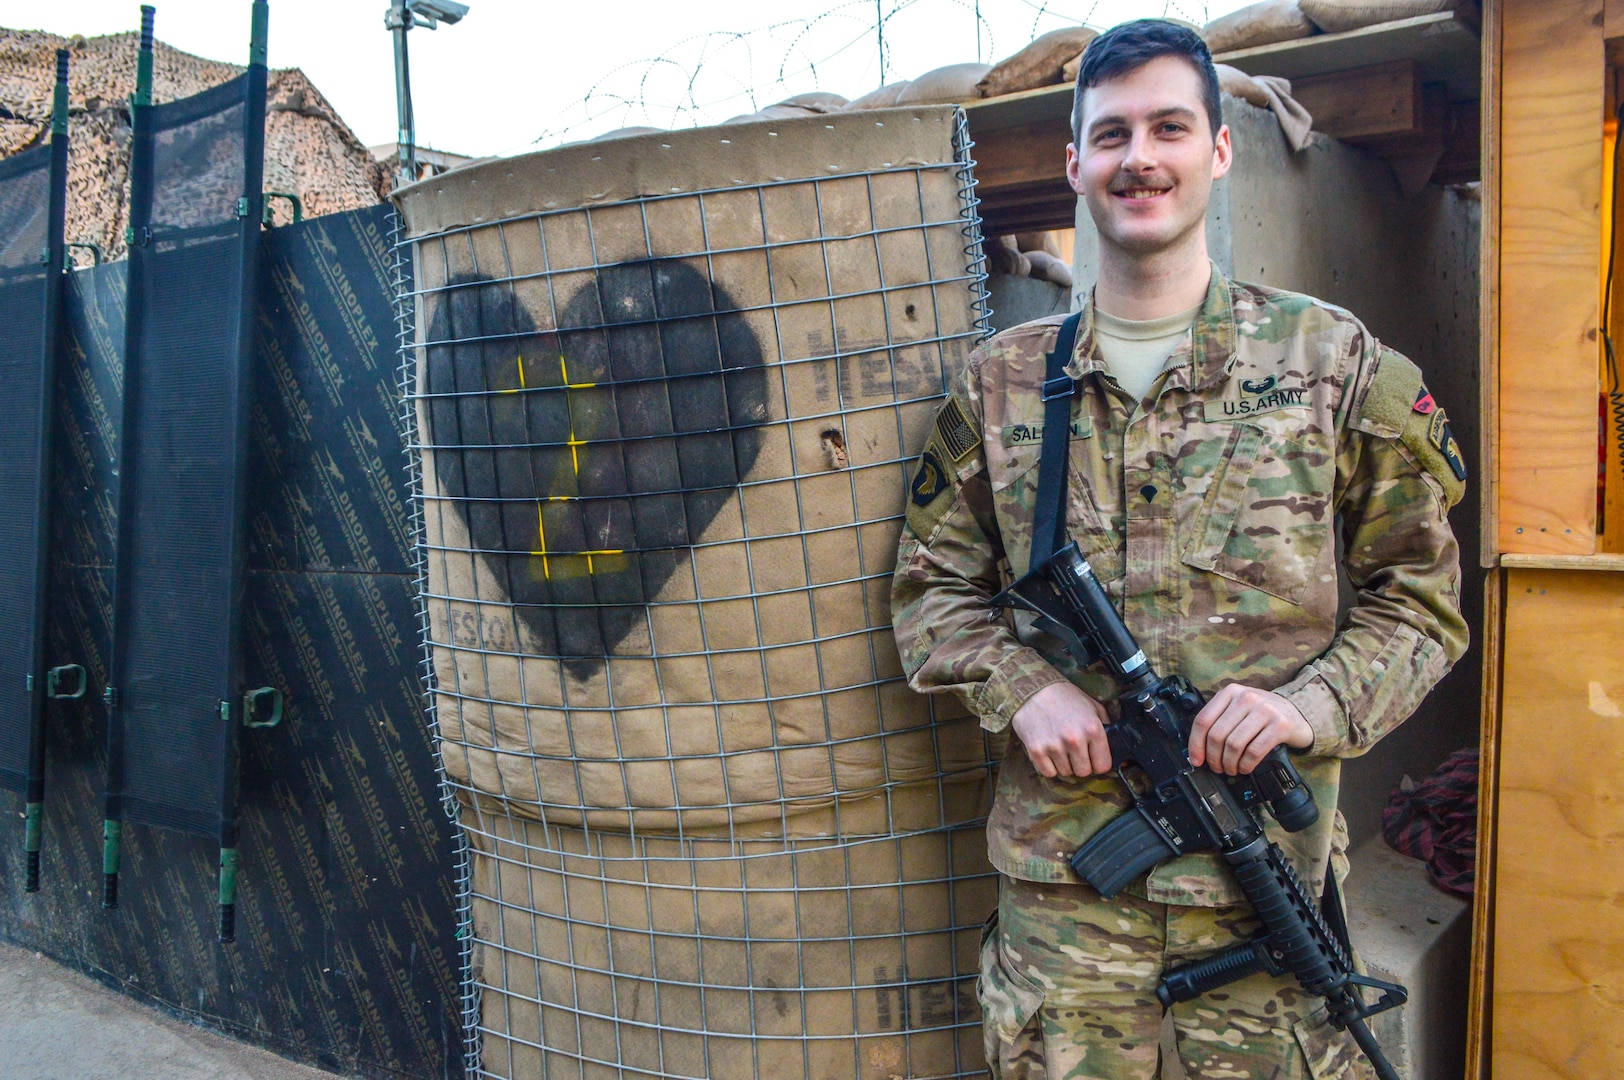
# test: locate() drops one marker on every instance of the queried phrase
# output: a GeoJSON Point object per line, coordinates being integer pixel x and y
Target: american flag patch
{"type": "Point", "coordinates": [958, 437]}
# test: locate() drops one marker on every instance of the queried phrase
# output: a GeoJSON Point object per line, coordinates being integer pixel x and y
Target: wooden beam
{"type": "Point", "coordinates": [1021, 176]}
{"type": "Point", "coordinates": [1020, 155]}
{"type": "Point", "coordinates": [1383, 100]}
{"type": "Point", "coordinates": [1488, 304]}
{"type": "Point", "coordinates": [1462, 161]}
{"type": "Point", "coordinates": [1550, 267]}
{"type": "Point", "coordinates": [1481, 979]}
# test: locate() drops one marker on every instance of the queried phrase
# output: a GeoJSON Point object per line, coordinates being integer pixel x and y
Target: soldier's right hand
{"type": "Point", "coordinates": [1063, 730]}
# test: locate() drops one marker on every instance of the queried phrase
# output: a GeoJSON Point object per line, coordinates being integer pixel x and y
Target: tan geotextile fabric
{"type": "Point", "coordinates": [1338, 16]}
{"type": "Point", "coordinates": [309, 151]}
{"type": "Point", "coordinates": [752, 958]}
{"type": "Point", "coordinates": [1041, 63]}
{"type": "Point", "coordinates": [747, 671]}
{"type": "Point", "coordinates": [1263, 23]}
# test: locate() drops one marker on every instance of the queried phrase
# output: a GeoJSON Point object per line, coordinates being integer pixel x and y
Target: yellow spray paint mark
{"type": "Point", "coordinates": [575, 462]}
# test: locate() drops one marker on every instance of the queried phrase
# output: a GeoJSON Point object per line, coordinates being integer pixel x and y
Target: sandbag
{"type": "Point", "coordinates": [1038, 241]}
{"type": "Point", "coordinates": [1004, 257]}
{"type": "Point", "coordinates": [884, 97]}
{"type": "Point", "coordinates": [1042, 63]}
{"type": "Point", "coordinates": [1263, 23]}
{"type": "Point", "coordinates": [947, 85]}
{"type": "Point", "coordinates": [1338, 16]}
{"type": "Point", "coordinates": [1068, 74]}
{"type": "Point", "coordinates": [1237, 83]}
{"type": "Point", "coordinates": [1273, 93]}
{"type": "Point", "coordinates": [818, 101]}
{"type": "Point", "coordinates": [1050, 268]}
{"type": "Point", "coordinates": [773, 112]}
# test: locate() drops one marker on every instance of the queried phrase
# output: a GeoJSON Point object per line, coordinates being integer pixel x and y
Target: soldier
{"type": "Point", "coordinates": [1220, 431]}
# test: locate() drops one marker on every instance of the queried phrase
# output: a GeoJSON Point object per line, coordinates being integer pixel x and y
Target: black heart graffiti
{"type": "Point", "coordinates": [587, 460]}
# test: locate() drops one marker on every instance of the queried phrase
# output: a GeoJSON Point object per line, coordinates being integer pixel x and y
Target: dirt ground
{"type": "Point", "coordinates": [56, 1024]}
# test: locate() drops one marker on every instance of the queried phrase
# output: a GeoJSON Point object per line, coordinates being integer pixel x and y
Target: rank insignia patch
{"type": "Point", "coordinates": [929, 481]}
{"type": "Point", "coordinates": [958, 437]}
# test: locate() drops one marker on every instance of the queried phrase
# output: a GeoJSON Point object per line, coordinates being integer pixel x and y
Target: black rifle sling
{"type": "Point", "coordinates": [1336, 916]}
{"type": "Point", "coordinates": [1049, 522]}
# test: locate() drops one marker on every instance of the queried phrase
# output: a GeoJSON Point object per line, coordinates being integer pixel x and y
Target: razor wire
{"type": "Point", "coordinates": [849, 48]}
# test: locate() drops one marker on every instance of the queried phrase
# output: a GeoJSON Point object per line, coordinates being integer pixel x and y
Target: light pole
{"type": "Point", "coordinates": [401, 17]}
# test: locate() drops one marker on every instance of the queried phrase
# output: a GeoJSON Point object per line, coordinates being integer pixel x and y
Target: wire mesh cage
{"type": "Point", "coordinates": [663, 398]}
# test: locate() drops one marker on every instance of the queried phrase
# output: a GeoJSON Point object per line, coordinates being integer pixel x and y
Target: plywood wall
{"type": "Point", "coordinates": [1550, 157]}
{"type": "Point", "coordinates": [1559, 866]}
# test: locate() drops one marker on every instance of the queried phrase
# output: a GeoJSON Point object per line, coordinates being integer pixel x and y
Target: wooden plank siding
{"type": "Point", "coordinates": [1551, 101]}
{"type": "Point", "coordinates": [1558, 914]}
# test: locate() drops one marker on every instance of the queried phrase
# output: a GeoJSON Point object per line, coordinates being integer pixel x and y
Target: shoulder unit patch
{"type": "Point", "coordinates": [929, 481]}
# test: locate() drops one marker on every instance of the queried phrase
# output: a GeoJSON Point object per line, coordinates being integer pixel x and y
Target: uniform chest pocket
{"type": "Point", "coordinates": [1014, 479]}
{"type": "Point", "coordinates": [1267, 514]}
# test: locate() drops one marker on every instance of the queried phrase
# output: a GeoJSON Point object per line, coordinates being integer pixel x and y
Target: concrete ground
{"type": "Point", "coordinates": [56, 1024]}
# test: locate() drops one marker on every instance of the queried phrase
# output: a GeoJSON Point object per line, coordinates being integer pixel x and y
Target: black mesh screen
{"type": "Point", "coordinates": [174, 638]}
{"type": "Point", "coordinates": [23, 191]}
{"type": "Point", "coordinates": [24, 194]}
{"type": "Point", "coordinates": [197, 154]}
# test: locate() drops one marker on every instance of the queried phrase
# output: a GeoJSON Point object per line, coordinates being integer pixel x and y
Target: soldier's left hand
{"type": "Point", "coordinates": [1240, 724]}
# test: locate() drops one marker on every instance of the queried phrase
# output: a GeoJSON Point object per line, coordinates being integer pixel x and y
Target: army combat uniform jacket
{"type": "Point", "coordinates": [1209, 512]}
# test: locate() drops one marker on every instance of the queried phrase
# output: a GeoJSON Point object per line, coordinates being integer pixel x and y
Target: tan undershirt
{"type": "Point", "coordinates": [1135, 351]}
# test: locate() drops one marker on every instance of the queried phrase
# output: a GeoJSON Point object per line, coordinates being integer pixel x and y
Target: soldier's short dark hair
{"type": "Point", "coordinates": [1126, 48]}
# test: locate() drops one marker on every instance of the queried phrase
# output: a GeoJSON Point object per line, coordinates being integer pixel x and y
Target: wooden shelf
{"type": "Point", "coordinates": [1444, 46]}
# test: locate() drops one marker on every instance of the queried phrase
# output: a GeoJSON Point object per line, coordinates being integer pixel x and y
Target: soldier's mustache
{"type": "Point", "coordinates": [1119, 186]}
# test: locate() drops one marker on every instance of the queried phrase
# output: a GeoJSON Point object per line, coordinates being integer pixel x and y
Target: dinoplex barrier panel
{"type": "Point", "coordinates": [180, 492]}
{"type": "Point", "coordinates": [668, 396]}
{"type": "Point", "coordinates": [24, 197]}
{"type": "Point", "coordinates": [347, 951]}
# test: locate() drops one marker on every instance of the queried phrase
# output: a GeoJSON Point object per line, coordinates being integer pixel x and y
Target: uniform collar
{"type": "Point", "coordinates": [1200, 363]}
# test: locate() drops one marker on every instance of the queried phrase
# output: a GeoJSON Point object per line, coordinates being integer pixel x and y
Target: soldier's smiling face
{"type": "Point", "coordinates": [1148, 156]}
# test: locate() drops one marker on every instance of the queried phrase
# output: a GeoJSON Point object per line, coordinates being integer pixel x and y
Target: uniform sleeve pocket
{"type": "Point", "coordinates": [1009, 1008]}
{"type": "Point", "coordinates": [1267, 516]}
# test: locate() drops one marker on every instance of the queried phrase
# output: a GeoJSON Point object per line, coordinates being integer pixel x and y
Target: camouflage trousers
{"type": "Point", "coordinates": [1068, 990]}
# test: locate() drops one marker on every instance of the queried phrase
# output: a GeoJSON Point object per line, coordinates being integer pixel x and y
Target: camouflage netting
{"type": "Point", "coordinates": [309, 150]}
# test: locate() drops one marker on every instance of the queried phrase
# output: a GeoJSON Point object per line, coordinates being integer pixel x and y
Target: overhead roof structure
{"type": "Point", "coordinates": [1405, 90]}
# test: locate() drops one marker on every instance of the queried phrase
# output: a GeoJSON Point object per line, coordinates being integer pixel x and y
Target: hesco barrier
{"type": "Point", "coordinates": [665, 395]}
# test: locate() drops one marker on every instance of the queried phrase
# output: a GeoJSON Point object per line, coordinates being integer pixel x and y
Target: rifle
{"type": "Point", "coordinates": [1187, 809]}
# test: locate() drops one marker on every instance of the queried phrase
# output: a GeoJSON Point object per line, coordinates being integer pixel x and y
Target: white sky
{"type": "Point", "coordinates": [523, 74]}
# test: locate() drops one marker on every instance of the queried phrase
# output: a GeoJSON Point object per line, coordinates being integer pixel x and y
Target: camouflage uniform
{"type": "Point", "coordinates": [1208, 512]}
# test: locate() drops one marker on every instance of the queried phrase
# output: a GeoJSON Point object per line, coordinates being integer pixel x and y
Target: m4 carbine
{"type": "Point", "coordinates": [1179, 808]}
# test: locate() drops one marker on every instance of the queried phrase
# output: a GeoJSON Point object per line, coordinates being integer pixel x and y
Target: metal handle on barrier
{"type": "Point", "coordinates": [55, 677]}
{"type": "Point", "coordinates": [298, 207]}
{"type": "Point", "coordinates": [250, 707]}
{"type": "Point", "coordinates": [95, 254]}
